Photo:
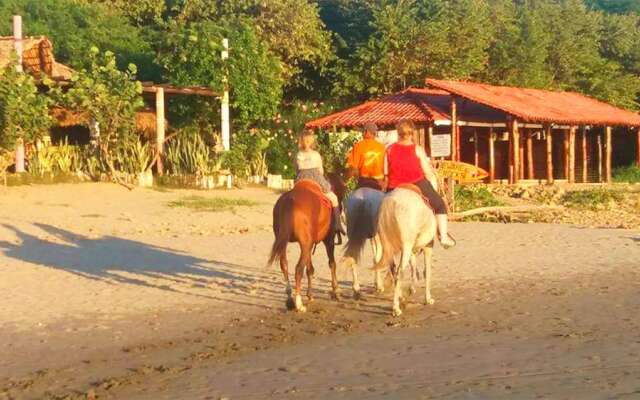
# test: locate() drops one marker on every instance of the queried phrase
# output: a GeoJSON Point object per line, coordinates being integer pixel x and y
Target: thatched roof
{"type": "Point", "coordinates": [145, 119]}
{"type": "Point", "coordinates": [37, 57]}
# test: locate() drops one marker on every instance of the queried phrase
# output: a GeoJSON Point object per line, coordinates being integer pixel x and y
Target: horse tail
{"type": "Point", "coordinates": [283, 227]}
{"type": "Point", "coordinates": [356, 228]}
{"type": "Point", "coordinates": [387, 232]}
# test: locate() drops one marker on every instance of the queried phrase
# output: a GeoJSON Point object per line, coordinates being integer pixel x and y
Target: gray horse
{"type": "Point", "coordinates": [362, 208]}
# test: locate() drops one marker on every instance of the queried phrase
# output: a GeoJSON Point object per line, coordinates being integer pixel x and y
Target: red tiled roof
{"type": "Point", "coordinates": [535, 105]}
{"type": "Point", "coordinates": [418, 105]}
{"type": "Point", "coordinates": [37, 57]}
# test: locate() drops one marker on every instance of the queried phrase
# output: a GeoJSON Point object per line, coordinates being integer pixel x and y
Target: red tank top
{"type": "Point", "coordinates": [403, 165]}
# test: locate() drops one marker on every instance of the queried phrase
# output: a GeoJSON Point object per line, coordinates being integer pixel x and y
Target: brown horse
{"type": "Point", "coordinates": [303, 215]}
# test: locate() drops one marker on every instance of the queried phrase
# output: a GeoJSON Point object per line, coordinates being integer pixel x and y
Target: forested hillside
{"type": "Point", "coordinates": [342, 51]}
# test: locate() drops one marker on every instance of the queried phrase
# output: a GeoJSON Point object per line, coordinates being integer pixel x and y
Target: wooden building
{"type": "Point", "coordinates": [516, 134]}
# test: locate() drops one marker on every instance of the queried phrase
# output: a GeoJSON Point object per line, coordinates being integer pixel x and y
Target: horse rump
{"type": "Point", "coordinates": [282, 226]}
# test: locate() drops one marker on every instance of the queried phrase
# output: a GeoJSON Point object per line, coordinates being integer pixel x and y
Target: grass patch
{"type": "Point", "coordinates": [596, 199]}
{"type": "Point", "coordinates": [469, 197]}
{"type": "Point", "coordinates": [630, 174]}
{"type": "Point", "coordinates": [211, 204]}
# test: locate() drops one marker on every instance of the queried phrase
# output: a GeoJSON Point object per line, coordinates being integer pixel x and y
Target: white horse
{"type": "Point", "coordinates": [406, 225]}
{"type": "Point", "coordinates": [361, 208]}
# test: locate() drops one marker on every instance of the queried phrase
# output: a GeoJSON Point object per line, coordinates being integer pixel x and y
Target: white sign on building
{"type": "Point", "coordinates": [440, 145]}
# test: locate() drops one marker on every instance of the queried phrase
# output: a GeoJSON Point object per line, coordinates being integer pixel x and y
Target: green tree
{"type": "Point", "coordinates": [107, 96]}
{"type": "Point", "coordinates": [24, 112]}
{"type": "Point", "coordinates": [140, 12]}
{"type": "Point", "coordinates": [191, 56]}
{"type": "Point", "coordinates": [74, 28]}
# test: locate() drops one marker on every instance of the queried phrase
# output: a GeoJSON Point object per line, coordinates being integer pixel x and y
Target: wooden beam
{"type": "Point", "coordinates": [585, 164]}
{"type": "Point", "coordinates": [530, 155]}
{"type": "Point", "coordinates": [521, 167]}
{"type": "Point", "coordinates": [160, 129]}
{"type": "Point", "coordinates": [454, 130]}
{"type": "Point", "coordinates": [492, 159]}
{"type": "Point", "coordinates": [607, 154]}
{"type": "Point", "coordinates": [549, 137]}
{"type": "Point", "coordinates": [515, 135]}
{"type": "Point", "coordinates": [572, 154]}
{"type": "Point", "coordinates": [476, 155]}
{"type": "Point", "coordinates": [168, 89]}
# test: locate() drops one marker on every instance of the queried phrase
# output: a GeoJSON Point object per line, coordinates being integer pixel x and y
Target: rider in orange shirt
{"type": "Point", "coordinates": [366, 159]}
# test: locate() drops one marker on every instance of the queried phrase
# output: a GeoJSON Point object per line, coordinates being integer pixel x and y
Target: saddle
{"type": "Point", "coordinates": [312, 186]}
{"type": "Point", "coordinates": [415, 189]}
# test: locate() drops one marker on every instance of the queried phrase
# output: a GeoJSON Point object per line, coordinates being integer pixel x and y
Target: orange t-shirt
{"type": "Point", "coordinates": [367, 157]}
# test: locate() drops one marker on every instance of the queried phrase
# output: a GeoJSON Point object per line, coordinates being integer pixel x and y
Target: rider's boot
{"type": "Point", "coordinates": [336, 221]}
{"type": "Point", "coordinates": [445, 239]}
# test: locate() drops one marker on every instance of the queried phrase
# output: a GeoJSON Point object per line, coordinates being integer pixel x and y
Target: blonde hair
{"type": "Point", "coordinates": [307, 133]}
{"type": "Point", "coordinates": [405, 128]}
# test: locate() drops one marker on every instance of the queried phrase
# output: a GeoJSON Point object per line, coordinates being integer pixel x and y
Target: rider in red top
{"type": "Point", "coordinates": [407, 163]}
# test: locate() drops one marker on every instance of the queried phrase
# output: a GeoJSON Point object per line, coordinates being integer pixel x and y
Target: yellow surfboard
{"type": "Point", "coordinates": [459, 171]}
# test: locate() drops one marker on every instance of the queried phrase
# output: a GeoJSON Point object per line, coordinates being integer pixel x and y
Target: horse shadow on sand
{"type": "Point", "coordinates": [115, 260]}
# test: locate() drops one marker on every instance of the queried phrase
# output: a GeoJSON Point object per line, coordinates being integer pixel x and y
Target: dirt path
{"type": "Point", "coordinates": [147, 301]}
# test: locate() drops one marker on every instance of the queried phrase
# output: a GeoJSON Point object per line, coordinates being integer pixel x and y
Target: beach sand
{"type": "Point", "coordinates": [109, 293]}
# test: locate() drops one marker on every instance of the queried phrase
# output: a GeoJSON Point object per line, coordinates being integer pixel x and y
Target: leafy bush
{"type": "Point", "coordinates": [24, 113]}
{"type": "Point", "coordinates": [594, 199]}
{"type": "Point", "coordinates": [629, 174]}
{"type": "Point", "coordinates": [469, 197]}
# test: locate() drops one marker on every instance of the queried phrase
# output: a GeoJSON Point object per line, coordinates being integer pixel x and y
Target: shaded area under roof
{"type": "Point", "coordinates": [418, 105]}
{"type": "Point", "coordinates": [536, 105]}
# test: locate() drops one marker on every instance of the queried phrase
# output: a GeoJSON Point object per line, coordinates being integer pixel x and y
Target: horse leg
{"type": "Point", "coordinates": [310, 272]}
{"type": "Point", "coordinates": [377, 255]}
{"type": "Point", "coordinates": [305, 256]}
{"type": "Point", "coordinates": [330, 246]}
{"type": "Point", "coordinates": [356, 283]}
{"type": "Point", "coordinates": [284, 266]}
{"type": "Point", "coordinates": [428, 252]}
{"type": "Point", "coordinates": [414, 270]}
{"type": "Point", "coordinates": [397, 292]}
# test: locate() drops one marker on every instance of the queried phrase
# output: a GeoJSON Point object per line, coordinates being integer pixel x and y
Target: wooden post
{"type": "Point", "coordinates": [454, 130]}
{"type": "Point", "coordinates": [160, 128]}
{"type": "Point", "coordinates": [521, 167]}
{"type": "Point", "coordinates": [638, 146]}
{"type": "Point", "coordinates": [600, 160]}
{"type": "Point", "coordinates": [17, 45]}
{"type": "Point", "coordinates": [549, 137]}
{"type": "Point", "coordinates": [492, 160]}
{"type": "Point", "coordinates": [566, 155]}
{"type": "Point", "coordinates": [585, 164]}
{"type": "Point", "coordinates": [224, 107]}
{"type": "Point", "coordinates": [430, 133]}
{"type": "Point", "coordinates": [607, 154]}
{"type": "Point", "coordinates": [530, 155]}
{"type": "Point", "coordinates": [17, 40]}
{"type": "Point", "coordinates": [476, 156]}
{"type": "Point", "coordinates": [515, 135]}
{"type": "Point", "coordinates": [572, 154]}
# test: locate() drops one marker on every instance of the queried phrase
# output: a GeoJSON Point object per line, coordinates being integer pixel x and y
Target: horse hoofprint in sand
{"type": "Point", "coordinates": [405, 225]}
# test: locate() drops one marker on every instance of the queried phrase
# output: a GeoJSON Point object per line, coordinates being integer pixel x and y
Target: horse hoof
{"type": "Point", "coordinates": [430, 301]}
{"type": "Point", "coordinates": [397, 312]}
{"type": "Point", "coordinates": [301, 309]}
{"type": "Point", "coordinates": [335, 296]}
{"type": "Point", "coordinates": [290, 304]}
{"type": "Point", "coordinates": [310, 299]}
{"type": "Point", "coordinates": [412, 290]}
{"type": "Point", "coordinates": [357, 295]}
{"type": "Point", "coordinates": [380, 290]}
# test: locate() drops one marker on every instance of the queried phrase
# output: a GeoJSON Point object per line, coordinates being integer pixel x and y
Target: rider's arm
{"type": "Point", "coordinates": [427, 168]}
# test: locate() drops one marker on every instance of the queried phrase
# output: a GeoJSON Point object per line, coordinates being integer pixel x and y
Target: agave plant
{"type": "Point", "coordinates": [189, 154]}
{"type": "Point", "coordinates": [42, 161]}
{"type": "Point", "coordinates": [65, 158]}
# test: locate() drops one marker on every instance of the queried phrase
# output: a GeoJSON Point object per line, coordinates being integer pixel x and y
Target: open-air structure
{"type": "Point", "coordinates": [515, 134]}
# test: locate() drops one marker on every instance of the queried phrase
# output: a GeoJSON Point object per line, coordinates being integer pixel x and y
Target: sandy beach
{"type": "Point", "coordinates": [114, 294]}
